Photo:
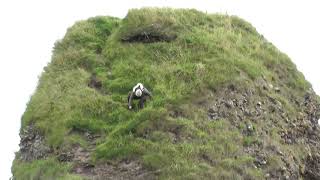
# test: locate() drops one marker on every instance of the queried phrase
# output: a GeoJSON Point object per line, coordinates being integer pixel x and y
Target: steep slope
{"type": "Point", "coordinates": [227, 104]}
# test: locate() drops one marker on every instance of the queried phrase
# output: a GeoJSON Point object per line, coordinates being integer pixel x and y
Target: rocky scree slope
{"type": "Point", "coordinates": [227, 104]}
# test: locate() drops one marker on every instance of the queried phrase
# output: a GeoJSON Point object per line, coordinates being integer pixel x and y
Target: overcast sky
{"type": "Point", "coordinates": [28, 30]}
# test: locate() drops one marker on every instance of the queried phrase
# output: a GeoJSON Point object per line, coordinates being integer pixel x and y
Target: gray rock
{"type": "Point", "coordinates": [270, 86]}
{"type": "Point", "coordinates": [259, 103]}
{"type": "Point", "coordinates": [229, 104]}
{"type": "Point", "coordinates": [250, 127]}
{"type": "Point", "coordinates": [32, 145]}
{"type": "Point", "coordinates": [213, 116]}
{"type": "Point", "coordinates": [283, 168]}
{"type": "Point", "coordinates": [260, 161]}
{"type": "Point", "coordinates": [213, 113]}
{"type": "Point", "coordinates": [277, 89]}
{"type": "Point", "coordinates": [263, 162]}
{"type": "Point", "coordinates": [280, 153]}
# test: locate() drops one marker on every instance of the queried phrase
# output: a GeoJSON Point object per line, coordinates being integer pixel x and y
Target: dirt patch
{"type": "Point", "coordinates": [102, 171]}
{"type": "Point", "coordinates": [176, 113]}
{"type": "Point", "coordinates": [123, 170]}
{"type": "Point", "coordinates": [312, 108]}
{"type": "Point", "coordinates": [150, 34]}
{"type": "Point", "coordinates": [147, 37]}
{"type": "Point", "coordinates": [236, 105]}
{"type": "Point", "coordinates": [80, 157]}
{"type": "Point", "coordinates": [312, 168]}
{"type": "Point", "coordinates": [257, 111]}
{"type": "Point", "coordinates": [94, 82]}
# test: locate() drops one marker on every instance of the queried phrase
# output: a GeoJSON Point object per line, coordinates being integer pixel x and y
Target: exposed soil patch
{"type": "Point", "coordinates": [150, 34]}
{"type": "Point", "coordinates": [82, 164]}
{"type": "Point", "coordinates": [102, 171]}
{"type": "Point", "coordinates": [256, 112]}
{"type": "Point", "coordinates": [94, 82]}
{"type": "Point", "coordinates": [147, 37]}
{"type": "Point", "coordinates": [312, 169]}
{"type": "Point", "coordinates": [176, 113]}
{"type": "Point", "coordinates": [123, 170]}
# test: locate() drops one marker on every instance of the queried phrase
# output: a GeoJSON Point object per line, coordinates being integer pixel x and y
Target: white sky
{"type": "Point", "coordinates": [28, 30]}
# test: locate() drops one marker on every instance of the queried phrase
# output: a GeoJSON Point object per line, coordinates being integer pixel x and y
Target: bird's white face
{"type": "Point", "coordinates": [138, 92]}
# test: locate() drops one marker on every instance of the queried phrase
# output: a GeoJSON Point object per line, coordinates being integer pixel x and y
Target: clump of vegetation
{"type": "Point", "coordinates": [181, 56]}
{"type": "Point", "coordinates": [42, 169]}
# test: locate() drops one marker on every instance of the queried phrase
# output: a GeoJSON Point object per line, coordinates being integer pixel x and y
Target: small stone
{"type": "Point", "coordinates": [277, 89]}
{"type": "Point", "coordinates": [87, 134]}
{"type": "Point", "coordinates": [309, 154]}
{"type": "Point", "coordinates": [287, 120]}
{"type": "Point", "coordinates": [213, 116]}
{"type": "Point", "coordinates": [213, 109]}
{"type": "Point", "coordinates": [79, 170]}
{"type": "Point", "coordinates": [229, 104]}
{"type": "Point", "coordinates": [287, 177]}
{"type": "Point", "coordinates": [259, 103]}
{"type": "Point", "coordinates": [289, 141]}
{"type": "Point", "coordinates": [267, 175]}
{"type": "Point", "coordinates": [247, 112]}
{"type": "Point", "coordinates": [245, 101]}
{"type": "Point", "coordinates": [280, 153]}
{"type": "Point", "coordinates": [249, 127]}
{"type": "Point", "coordinates": [265, 87]}
{"type": "Point", "coordinates": [263, 162]}
{"type": "Point", "coordinates": [270, 86]}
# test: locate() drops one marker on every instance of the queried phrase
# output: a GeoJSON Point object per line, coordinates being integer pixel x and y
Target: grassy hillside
{"type": "Point", "coordinates": [224, 102]}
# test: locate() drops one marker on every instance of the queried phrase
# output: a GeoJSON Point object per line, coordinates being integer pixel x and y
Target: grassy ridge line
{"type": "Point", "coordinates": [209, 52]}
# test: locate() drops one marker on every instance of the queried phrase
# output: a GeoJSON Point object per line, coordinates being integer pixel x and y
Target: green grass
{"type": "Point", "coordinates": [48, 169]}
{"type": "Point", "coordinates": [209, 52]}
